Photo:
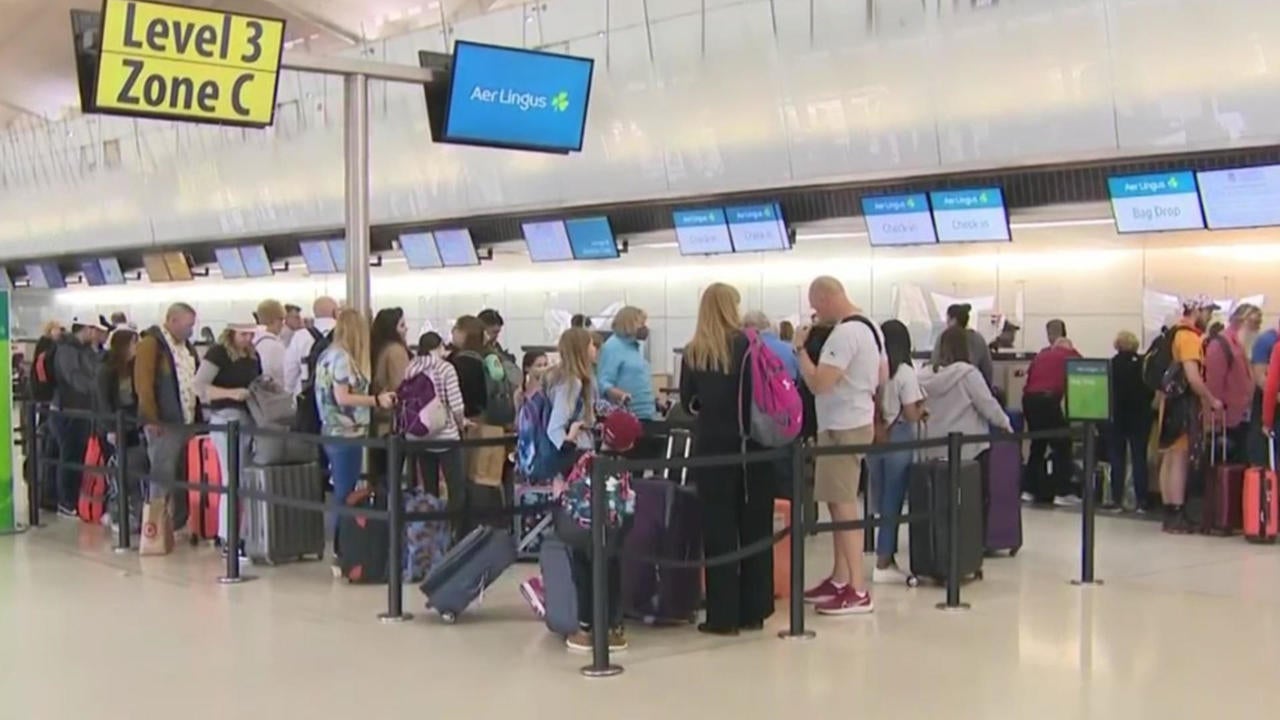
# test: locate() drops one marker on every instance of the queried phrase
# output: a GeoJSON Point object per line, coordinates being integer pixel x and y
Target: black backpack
{"type": "Point", "coordinates": [306, 417]}
{"type": "Point", "coordinates": [1157, 360]}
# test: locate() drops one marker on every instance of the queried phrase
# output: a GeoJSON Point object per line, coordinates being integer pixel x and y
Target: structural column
{"type": "Point", "coordinates": [356, 142]}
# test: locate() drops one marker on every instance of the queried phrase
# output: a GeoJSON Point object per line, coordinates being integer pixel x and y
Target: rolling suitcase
{"type": "Point", "coordinates": [1001, 497]}
{"type": "Point", "coordinates": [531, 529]}
{"type": "Point", "coordinates": [203, 467]}
{"type": "Point", "coordinates": [275, 533]}
{"type": "Point", "coordinates": [93, 484]}
{"type": "Point", "coordinates": [667, 526]}
{"type": "Point", "coordinates": [930, 539]}
{"type": "Point", "coordinates": [425, 542]}
{"type": "Point", "coordinates": [467, 570]}
{"type": "Point", "coordinates": [365, 545]}
{"type": "Point", "coordinates": [1261, 503]}
{"type": "Point", "coordinates": [1222, 510]}
{"type": "Point", "coordinates": [559, 593]}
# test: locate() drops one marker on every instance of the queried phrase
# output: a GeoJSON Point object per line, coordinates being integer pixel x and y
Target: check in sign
{"type": "Point", "coordinates": [180, 63]}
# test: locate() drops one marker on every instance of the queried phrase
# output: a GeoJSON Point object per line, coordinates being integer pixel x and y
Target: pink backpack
{"type": "Point", "coordinates": [776, 410]}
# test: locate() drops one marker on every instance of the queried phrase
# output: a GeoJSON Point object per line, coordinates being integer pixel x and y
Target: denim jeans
{"type": "Point", "coordinates": [344, 469]}
{"type": "Point", "coordinates": [889, 486]}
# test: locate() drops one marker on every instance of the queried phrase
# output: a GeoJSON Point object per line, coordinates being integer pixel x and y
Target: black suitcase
{"type": "Point", "coordinates": [363, 543]}
{"type": "Point", "coordinates": [930, 539]}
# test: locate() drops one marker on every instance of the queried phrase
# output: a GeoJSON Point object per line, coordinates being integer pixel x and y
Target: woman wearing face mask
{"type": "Point", "coordinates": [434, 463]}
{"type": "Point", "coordinates": [624, 376]}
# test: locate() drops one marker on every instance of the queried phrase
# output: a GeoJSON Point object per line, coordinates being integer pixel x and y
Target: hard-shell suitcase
{"type": "Point", "coordinates": [1261, 502]}
{"type": "Point", "coordinates": [276, 533]}
{"type": "Point", "coordinates": [93, 483]}
{"type": "Point", "coordinates": [559, 593]}
{"type": "Point", "coordinates": [667, 526]}
{"type": "Point", "coordinates": [1002, 502]}
{"type": "Point", "coordinates": [365, 544]}
{"type": "Point", "coordinates": [1222, 510]}
{"type": "Point", "coordinates": [203, 468]}
{"type": "Point", "coordinates": [928, 490]}
{"type": "Point", "coordinates": [467, 570]}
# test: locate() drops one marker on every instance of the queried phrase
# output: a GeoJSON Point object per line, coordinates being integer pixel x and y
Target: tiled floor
{"type": "Point", "coordinates": [1183, 628]}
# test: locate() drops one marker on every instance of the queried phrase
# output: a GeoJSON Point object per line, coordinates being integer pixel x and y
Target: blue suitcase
{"type": "Point", "coordinates": [464, 573]}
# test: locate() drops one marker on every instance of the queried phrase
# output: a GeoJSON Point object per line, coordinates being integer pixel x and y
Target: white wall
{"type": "Point", "coordinates": [1092, 278]}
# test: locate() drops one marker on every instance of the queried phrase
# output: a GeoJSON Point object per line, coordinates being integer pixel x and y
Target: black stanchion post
{"type": "Point", "coordinates": [395, 526]}
{"type": "Point", "coordinates": [600, 665]}
{"type": "Point", "coordinates": [34, 450]}
{"type": "Point", "coordinates": [953, 525]}
{"type": "Point", "coordinates": [1089, 506]}
{"type": "Point", "coordinates": [122, 485]}
{"type": "Point", "coordinates": [799, 504]}
{"type": "Point", "coordinates": [231, 543]}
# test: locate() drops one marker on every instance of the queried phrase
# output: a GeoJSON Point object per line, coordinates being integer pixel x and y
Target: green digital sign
{"type": "Point", "coordinates": [1088, 390]}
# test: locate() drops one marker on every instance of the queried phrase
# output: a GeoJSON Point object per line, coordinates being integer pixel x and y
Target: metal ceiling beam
{"type": "Point", "coordinates": [319, 21]}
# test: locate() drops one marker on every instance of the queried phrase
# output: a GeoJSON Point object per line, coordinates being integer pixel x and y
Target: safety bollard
{"type": "Point", "coordinates": [953, 603]}
{"type": "Point", "coordinates": [395, 540]}
{"type": "Point", "coordinates": [600, 666]}
{"type": "Point", "coordinates": [34, 450]}
{"type": "Point", "coordinates": [799, 505]}
{"type": "Point", "coordinates": [122, 485]}
{"type": "Point", "coordinates": [231, 543]}
{"type": "Point", "coordinates": [1088, 508]}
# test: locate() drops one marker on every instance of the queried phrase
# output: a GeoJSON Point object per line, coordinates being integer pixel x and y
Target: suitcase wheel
{"type": "Point", "coordinates": [913, 581]}
{"type": "Point", "coordinates": [448, 618]}
{"type": "Point", "coordinates": [978, 575]}
{"type": "Point", "coordinates": [1014, 552]}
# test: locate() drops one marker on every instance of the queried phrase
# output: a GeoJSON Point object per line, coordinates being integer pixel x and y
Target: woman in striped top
{"type": "Point", "coordinates": [446, 463]}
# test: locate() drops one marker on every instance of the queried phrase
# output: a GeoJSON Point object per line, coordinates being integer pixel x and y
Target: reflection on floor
{"type": "Point", "coordinates": [1183, 628]}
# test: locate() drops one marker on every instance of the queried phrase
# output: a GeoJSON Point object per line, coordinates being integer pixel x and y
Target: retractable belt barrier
{"type": "Point", "coordinates": [396, 447]}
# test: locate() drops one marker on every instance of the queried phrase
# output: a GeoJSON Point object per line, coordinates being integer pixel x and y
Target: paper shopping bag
{"type": "Point", "coordinates": [157, 528]}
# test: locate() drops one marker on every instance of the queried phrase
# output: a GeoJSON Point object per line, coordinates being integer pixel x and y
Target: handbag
{"type": "Point", "coordinates": [157, 528]}
{"type": "Point", "coordinates": [269, 404]}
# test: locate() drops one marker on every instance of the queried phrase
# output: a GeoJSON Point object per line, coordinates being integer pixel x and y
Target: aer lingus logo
{"type": "Point", "coordinates": [560, 101]}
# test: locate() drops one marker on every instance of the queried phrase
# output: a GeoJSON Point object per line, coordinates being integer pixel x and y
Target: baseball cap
{"type": "Point", "coordinates": [1196, 303]}
{"type": "Point", "coordinates": [620, 430]}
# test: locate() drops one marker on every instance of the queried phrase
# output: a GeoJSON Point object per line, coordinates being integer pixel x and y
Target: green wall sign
{"type": "Point", "coordinates": [1088, 389]}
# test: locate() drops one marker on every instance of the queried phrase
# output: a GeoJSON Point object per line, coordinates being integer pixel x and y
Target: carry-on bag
{"type": "Point", "coordinates": [464, 573]}
{"type": "Point", "coordinates": [1261, 503]}
{"type": "Point", "coordinates": [559, 592]}
{"type": "Point", "coordinates": [365, 544]}
{"type": "Point", "coordinates": [93, 483]}
{"type": "Point", "coordinates": [1002, 498]}
{"type": "Point", "coordinates": [203, 468]}
{"type": "Point", "coordinates": [1221, 512]}
{"type": "Point", "coordinates": [275, 533]}
{"type": "Point", "coordinates": [929, 491]}
{"type": "Point", "coordinates": [667, 526]}
{"type": "Point", "coordinates": [425, 542]}
{"type": "Point", "coordinates": [531, 529]}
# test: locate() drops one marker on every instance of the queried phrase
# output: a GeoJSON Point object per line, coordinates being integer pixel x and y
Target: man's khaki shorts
{"type": "Point", "coordinates": [836, 476]}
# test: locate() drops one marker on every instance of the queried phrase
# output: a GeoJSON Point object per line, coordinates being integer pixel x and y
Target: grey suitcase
{"type": "Point", "coordinates": [275, 533]}
{"type": "Point", "coordinates": [561, 593]}
{"type": "Point", "coordinates": [467, 570]}
{"type": "Point", "coordinates": [930, 539]}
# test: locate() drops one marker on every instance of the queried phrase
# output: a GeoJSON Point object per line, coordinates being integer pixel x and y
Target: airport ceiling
{"type": "Point", "coordinates": [37, 69]}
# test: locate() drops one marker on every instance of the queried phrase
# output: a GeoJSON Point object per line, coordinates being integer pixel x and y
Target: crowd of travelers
{"type": "Point", "coordinates": [857, 379]}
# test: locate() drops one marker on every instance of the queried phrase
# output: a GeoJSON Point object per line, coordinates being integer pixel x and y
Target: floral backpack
{"type": "Point", "coordinates": [576, 499]}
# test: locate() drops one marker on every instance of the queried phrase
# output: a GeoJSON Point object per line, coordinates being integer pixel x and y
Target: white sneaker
{"type": "Point", "coordinates": [891, 575]}
{"type": "Point", "coordinates": [1028, 498]}
{"type": "Point", "coordinates": [1067, 501]}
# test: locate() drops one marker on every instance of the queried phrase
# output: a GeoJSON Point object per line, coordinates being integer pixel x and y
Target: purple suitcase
{"type": "Point", "coordinates": [1002, 491]}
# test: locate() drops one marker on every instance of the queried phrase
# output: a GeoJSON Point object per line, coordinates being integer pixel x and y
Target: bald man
{"type": "Point", "coordinates": [844, 379]}
{"type": "Point", "coordinates": [295, 357]}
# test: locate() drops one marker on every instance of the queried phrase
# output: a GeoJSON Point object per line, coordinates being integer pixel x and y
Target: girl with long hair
{"type": "Point", "coordinates": [737, 501]}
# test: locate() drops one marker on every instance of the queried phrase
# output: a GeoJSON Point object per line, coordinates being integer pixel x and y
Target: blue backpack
{"type": "Point", "coordinates": [538, 460]}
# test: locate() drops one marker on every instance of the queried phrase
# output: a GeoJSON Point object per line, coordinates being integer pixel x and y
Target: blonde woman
{"type": "Point", "coordinates": [344, 400]}
{"type": "Point", "coordinates": [737, 502]}
{"type": "Point", "coordinates": [222, 384]}
{"type": "Point", "coordinates": [1131, 424]}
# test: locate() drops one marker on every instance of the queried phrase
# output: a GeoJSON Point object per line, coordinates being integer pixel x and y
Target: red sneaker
{"type": "Point", "coordinates": [847, 602]}
{"type": "Point", "coordinates": [825, 591]}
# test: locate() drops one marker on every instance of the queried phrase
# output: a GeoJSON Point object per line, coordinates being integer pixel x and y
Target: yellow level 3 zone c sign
{"type": "Point", "coordinates": [180, 63]}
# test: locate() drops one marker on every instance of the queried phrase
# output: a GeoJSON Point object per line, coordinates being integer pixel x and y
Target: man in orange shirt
{"type": "Point", "coordinates": [1180, 411]}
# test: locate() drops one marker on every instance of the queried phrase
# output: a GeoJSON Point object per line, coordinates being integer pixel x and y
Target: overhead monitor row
{"type": "Point", "coordinates": [1230, 199]}
{"type": "Point", "coordinates": [942, 216]}
{"type": "Point", "coordinates": [739, 228]}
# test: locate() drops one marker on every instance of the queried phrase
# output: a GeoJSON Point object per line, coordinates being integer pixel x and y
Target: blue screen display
{"type": "Point", "coordinates": [507, 97]}
{"type": "Point", "coordinates": [419, 251]}
{"type": "Point", "coordinates": [111, 271]}
{"type": "Point", "coordinates": [547, 241]}
{"type": "Point", "coordinates": [92, 273]}
{"type": "Point", "coordinates": [976, 215]}
{"type": "Point", "coordinates": [230, 263]}
{"type": "Point", "coordinates": [898, 220]}
{"type": "Point", "coordinates": [257, 263]}
{"type": "Point", "coordinates": [315, 255]}
{"type": "Point", "coordinates": [35, 276]}
{"type": "Point", "coordinates": [755, 228]}
{"type": "Point", "coordinates": [338, 251]}
{"type": "Point", "coordinates": [456, 248]}
{"type": "Point", "coordinates": [591, 238]}
{"type": "Point", "coordinates": [53, 276]}
{"type": "Point", "coordinates": [702, 232]}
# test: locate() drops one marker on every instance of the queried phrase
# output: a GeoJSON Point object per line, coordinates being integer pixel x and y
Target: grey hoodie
{"type": "Point", "coordinates": [959, 401]}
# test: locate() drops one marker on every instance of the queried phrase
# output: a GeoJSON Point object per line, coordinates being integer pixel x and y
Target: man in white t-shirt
{"type": "Point", "coordinates": [295, 358]}
{"type": "Point", "coordinates": [844, 381]}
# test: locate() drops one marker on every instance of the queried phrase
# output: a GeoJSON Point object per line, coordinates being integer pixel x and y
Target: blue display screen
{"type": "Point", "coordinates": [315, 254]}
{"type": "Point", "coordinates": [702, 232]}
{"type": "Point", "coordinates": [35, 276]}
{"type": "Point", "coordinates": [257, 264]}
{"type": "Point", "coordinates": [513, 98]}
{"type": "Point", "coordinates": [338, 251]}
{"type": "Point", "coordinates": [53, 277]}
{"type": "Point", "coordinates": [92, 273]}
{"type": "Point", "coordinates": [230, 263]}
{"type": "Point", "coordinates": [976, 215]}
{"type": "Point", "coordinates": [1155, 202]}
{"type": "Point", "coordinates": [456, 248]}
{"type": "Point", "coordinates": [111, 271]}
{"type": "Point", "coordinates": [420, 251]}
{"type": "Point", "coordinates": [591, 238]}
{"type": "Point", "coordinates": [547, 241]}
{"type": "Point", "coordinates": [898, 220]}
{"type": "Point", "coordinates": [755, 228]}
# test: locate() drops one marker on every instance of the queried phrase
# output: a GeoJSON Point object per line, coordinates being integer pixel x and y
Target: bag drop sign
{"type": "Point", "coordinates": [180, 63]}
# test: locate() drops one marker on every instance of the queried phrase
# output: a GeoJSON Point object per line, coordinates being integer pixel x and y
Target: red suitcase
{"type": "Point", "coordinates": [1222, 511]}
{"type": "Point", "coordinates": [93, 485]}
{"type": "Point", "coordinates": [1261, 502]}
{"type": "Point", "coordinates": [203, 467]}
